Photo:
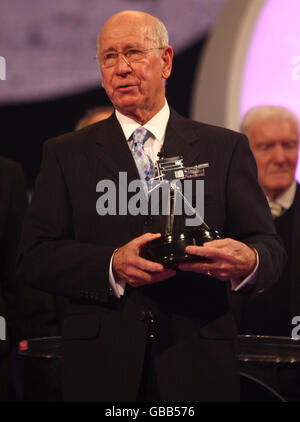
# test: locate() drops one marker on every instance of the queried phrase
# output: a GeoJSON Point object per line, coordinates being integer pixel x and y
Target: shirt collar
{"type": "Point", "coordinates": [287, 198]}
{"type": "Point", "coordinates": [157, 125]}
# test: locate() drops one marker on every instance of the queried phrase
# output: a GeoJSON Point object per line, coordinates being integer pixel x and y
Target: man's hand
{"type": "Point", "coordinates": [128, 266]}
{"type": "Point", "coordinates": [228, 259]}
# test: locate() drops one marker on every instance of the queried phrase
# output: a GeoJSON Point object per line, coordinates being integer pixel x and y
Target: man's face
{"type": "Point", "coordinates": [136, 89]}
{"type": "Point", "coordinates": [274, 143]}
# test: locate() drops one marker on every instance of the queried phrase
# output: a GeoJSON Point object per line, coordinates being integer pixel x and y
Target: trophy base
{"type": "Point", "coordinates": [169, 250]}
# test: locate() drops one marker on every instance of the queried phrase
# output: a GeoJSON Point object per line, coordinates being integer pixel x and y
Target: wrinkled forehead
{"type": "Point", "coordinates": [274, 128]}
{"type": "Point", "coordinates": [126, 32]}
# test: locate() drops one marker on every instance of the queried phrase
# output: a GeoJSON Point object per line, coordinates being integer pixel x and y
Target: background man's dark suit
{"type": "Point", "coordinates": [12, 208]}
{"type": "Point", "coordinates": [273, 133]}
{"type": "Point", "coordinates": [28, 312]}
{"type": "Point", "coordinates": [281, 302]}
{"type": "Point", "coordinates": [271, 314]}
{"type": "Point", "coordinates": [67, 247]}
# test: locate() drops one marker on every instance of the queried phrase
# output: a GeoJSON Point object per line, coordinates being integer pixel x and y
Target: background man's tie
{"type": "Point", "coordinates": [276, 209]}
{"type": "Point", "coordinates": [143, 161]}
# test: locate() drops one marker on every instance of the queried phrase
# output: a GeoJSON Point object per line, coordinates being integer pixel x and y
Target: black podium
{"type": "Point", "coordinates": [40, 367]}
{"type": "Point", "coordinates": [269, 368]}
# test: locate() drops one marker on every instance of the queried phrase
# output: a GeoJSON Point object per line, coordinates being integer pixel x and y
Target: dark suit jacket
{"type": "Point", "coordinates": [12, 209]}
{"type": "Point", "coordinates": [281, 302]}
{"type": "Point", "coordinates": [66, 249]}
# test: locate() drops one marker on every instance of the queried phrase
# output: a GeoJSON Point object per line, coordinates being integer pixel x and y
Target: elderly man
{"type": "Point", "coordinates": [273, 133]}
{"type": "Point", "coordinates": [137, 330]}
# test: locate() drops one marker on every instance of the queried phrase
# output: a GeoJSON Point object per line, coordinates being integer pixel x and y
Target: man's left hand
{"type": "Point", "coordinates": [228, 259]}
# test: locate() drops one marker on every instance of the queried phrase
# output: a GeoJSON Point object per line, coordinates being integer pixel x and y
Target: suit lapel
{"type": "Point", "coordinates": [112, 146]}
{"type": "Point", "coordinates": [175, 142]}
{"type": "Point", "coordinates": [112, 156]}
{"type": "Point", "coordinates": [112, 149]}
{"type": "Point", "coordinates": [179, 138]}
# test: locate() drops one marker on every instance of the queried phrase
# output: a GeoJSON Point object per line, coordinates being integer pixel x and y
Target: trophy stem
{"type": "Point", "coordinates": [170, 216]}
{"type": "Point", "coordinates": [189, 206]}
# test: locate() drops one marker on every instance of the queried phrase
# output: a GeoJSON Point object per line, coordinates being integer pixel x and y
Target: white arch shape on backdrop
{"type": "Point", "coordinates": [252, 58]}
{"type": "Point", "coordinates": [216, 95]}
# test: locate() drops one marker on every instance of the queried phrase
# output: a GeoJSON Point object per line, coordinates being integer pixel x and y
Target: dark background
{"type": "Point", "coordinates": [24, 127]}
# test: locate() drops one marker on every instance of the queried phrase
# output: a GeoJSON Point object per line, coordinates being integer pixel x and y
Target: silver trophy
{"type": "Point", "coordinates": [169, 249]}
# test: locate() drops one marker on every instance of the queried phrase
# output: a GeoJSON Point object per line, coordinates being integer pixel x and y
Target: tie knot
{"type": "Point", "coordinates": [276, 209]}
{"type": "Point", "coordinates": [140, 135]}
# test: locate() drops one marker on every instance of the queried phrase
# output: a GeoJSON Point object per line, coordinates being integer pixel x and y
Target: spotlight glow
{"type": "Point", "coordinates": [272, 66]}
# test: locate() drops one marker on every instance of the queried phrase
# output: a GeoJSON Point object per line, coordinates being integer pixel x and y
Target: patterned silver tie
{"type": "Point", "coordinates": [143, 161]}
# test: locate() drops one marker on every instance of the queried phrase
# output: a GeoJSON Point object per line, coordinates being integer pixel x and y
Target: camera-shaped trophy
{"type": "Point", "coordinates": [169, 249]}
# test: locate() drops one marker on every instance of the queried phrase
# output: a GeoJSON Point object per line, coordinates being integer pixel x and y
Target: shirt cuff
{"type": "Point", "coordinates": [249, 280]}
{"type": "Point", "coordinates": [117, 288]}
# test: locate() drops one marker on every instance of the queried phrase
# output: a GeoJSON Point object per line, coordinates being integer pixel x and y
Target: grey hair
{"type": "Point", "coordinates": [161, 37]}
{"type": "Point", "coordinates": [267, 112]}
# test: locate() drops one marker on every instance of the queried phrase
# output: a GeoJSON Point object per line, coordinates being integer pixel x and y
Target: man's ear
{"type": "Point", "coordinates": [167, 57]}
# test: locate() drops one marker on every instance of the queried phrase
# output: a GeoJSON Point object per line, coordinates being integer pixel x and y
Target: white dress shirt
{"type": "Point", "coordinates": [156, 126]}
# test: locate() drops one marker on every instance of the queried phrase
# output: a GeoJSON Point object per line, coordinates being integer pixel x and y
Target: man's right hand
{"type": "Point", "coordinates": [130, 267]}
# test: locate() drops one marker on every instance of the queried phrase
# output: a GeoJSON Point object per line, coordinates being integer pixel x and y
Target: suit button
{"type": "Point", "coordinates": [143, 316]}
{"type": "Point", "coordinates": [148, 220]}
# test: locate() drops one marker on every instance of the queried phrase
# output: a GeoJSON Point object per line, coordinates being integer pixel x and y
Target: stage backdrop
{"type": "Point", "coordinates": [49, 46]}
{"type": "Point", "coordinates": [252, 58]}
{"type": "Point", "coordinates": [49, 79]}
